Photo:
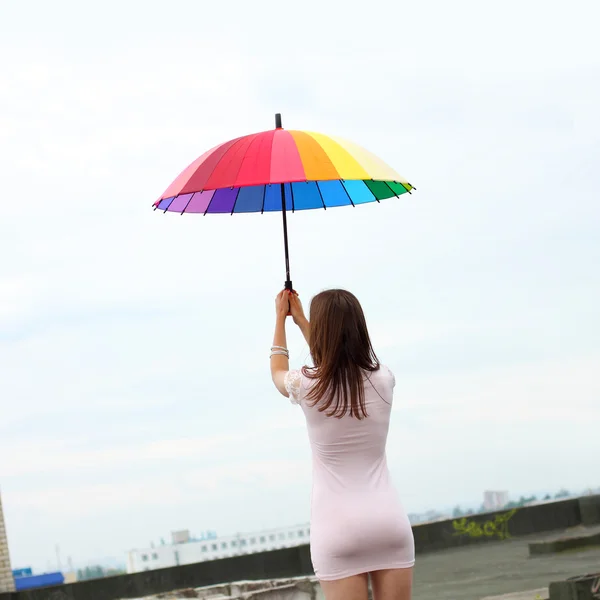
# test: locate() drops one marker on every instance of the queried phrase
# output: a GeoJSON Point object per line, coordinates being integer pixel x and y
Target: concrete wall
{"type": "Point", "coordinates": [289, 562]}
{"type": "Point", "coordinates": [294, 562]}
{"type": "Point", "coordinates": [590, 510]}
{"type": "Point", "coordinates": [7, 583]}
{"type": "Point", "coordinates": [586, 587]}
{"type": "Point", "coordinates": [497, 526]}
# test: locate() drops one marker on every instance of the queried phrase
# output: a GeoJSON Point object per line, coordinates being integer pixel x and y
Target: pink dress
{"type": "Point", "coordinates": [358, 524]}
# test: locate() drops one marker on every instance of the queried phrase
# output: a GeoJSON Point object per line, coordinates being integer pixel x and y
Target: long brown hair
{"type": "Point", "coordinates": [341, 350]}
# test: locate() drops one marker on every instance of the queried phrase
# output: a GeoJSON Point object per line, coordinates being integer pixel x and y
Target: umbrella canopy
{"type": "Point", "coordinates": [279, 170]}
{"type": "Point", "coordinates": [318, 171]}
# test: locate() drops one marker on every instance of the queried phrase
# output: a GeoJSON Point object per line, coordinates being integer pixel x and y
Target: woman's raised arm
{"type": "Point", "coordinates": [280, 363]}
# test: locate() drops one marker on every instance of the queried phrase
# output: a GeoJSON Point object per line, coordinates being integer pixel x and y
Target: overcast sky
{"type": "Point", "coordinates": [134, 380]}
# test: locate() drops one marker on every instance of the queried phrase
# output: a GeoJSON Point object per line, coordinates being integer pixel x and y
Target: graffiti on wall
{"type": "Point", "coordinates": [497, 527]}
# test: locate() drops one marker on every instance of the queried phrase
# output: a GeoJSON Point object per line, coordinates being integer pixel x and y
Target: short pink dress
{"type": "Point", "coordinates": [358, 524]}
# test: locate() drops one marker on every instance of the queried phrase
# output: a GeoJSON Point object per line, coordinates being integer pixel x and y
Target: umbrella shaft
{"type": "Point", "coordinates": [288, 282]}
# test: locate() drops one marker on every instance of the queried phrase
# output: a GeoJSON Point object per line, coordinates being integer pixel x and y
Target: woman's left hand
{"type": "Point", "coordinates": [282, 304]}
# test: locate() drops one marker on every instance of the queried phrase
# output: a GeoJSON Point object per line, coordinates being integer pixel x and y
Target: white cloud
{"type": "Point", "coordinates": [561, 391]}
{"type": "Point", "coordinates": [15, 297]}
{"type": "Point", "coordinates": [65, 456]}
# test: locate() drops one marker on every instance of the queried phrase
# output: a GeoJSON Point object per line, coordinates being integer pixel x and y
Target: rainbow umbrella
{"type": "Point", "coordinates": [281, 170]}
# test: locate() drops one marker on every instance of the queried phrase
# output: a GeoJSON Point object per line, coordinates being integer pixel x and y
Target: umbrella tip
{"type": "Point", "coordinates": [278, 121]}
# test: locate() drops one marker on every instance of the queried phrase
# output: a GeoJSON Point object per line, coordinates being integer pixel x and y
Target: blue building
{"type": "Point", "coordinates": [26, 580]}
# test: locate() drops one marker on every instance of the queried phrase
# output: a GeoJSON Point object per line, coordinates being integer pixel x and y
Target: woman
{"type": "Point", "coordinates": [358, 526]}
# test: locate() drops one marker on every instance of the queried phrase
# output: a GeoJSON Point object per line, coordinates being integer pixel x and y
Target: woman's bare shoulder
{"type": "Point", "coordinates": [385, 373]}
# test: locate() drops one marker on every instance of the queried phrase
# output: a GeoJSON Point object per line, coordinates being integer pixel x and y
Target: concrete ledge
{"type": "Point", "coordinates": [298, 588]}
{"type": "Point", "coordinates": [589, 507]}
{"type": "Point", "coordinates": [583, 587]}
{"type": "Point", "coordinates": [277, 564]}
{"type": "Point", "coordinates": [562, 544]}
{"type": "Point", "coordinates": [537, 594]}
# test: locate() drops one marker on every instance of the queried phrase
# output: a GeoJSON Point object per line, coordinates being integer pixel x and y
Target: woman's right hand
{"type": "Point", "coordinates": [296, 309]}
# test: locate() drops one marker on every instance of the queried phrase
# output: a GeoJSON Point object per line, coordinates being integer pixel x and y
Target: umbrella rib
{"type": "Point", "coordinates": [292, 194]}
{"type": "Point", "coordinates": [347, 194]}
{"type": "Point", "coordinates": [372, 192]}
{"type": "Point", "coordinates": [320, 194]}
{"type": "Point", "coordinates": [188, 202]}
{"type": "Point", "coordinates": [236, 199]}
{"type": "Point", "coordinates": [262, 208]}
{"type": "Point", "coordinates": [393, 192]}
{"type": "Point", "coordinates": [210, 202]}
{"type": "Point", "coordinates": [414, 188]}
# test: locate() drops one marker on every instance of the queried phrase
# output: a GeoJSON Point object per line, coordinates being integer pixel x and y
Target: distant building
{"type": "Point", "coordinates": [7, 582]}
{"type": "Point", "coordinates": [494, 500]}
{"type": "Point", "coordinates": [186, 550]}
{"type": "Point", "coordinates": [25, 572]}
{"type": "Point", "coordinates": [29, 582]}
{"type": "Point", "coordinates": [180, 537]}
{"type": "Point", "coordinates": [70, 576]}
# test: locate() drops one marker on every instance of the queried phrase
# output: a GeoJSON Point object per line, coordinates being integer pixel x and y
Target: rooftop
{"type": "Point", "coordinates": [477, 571]}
